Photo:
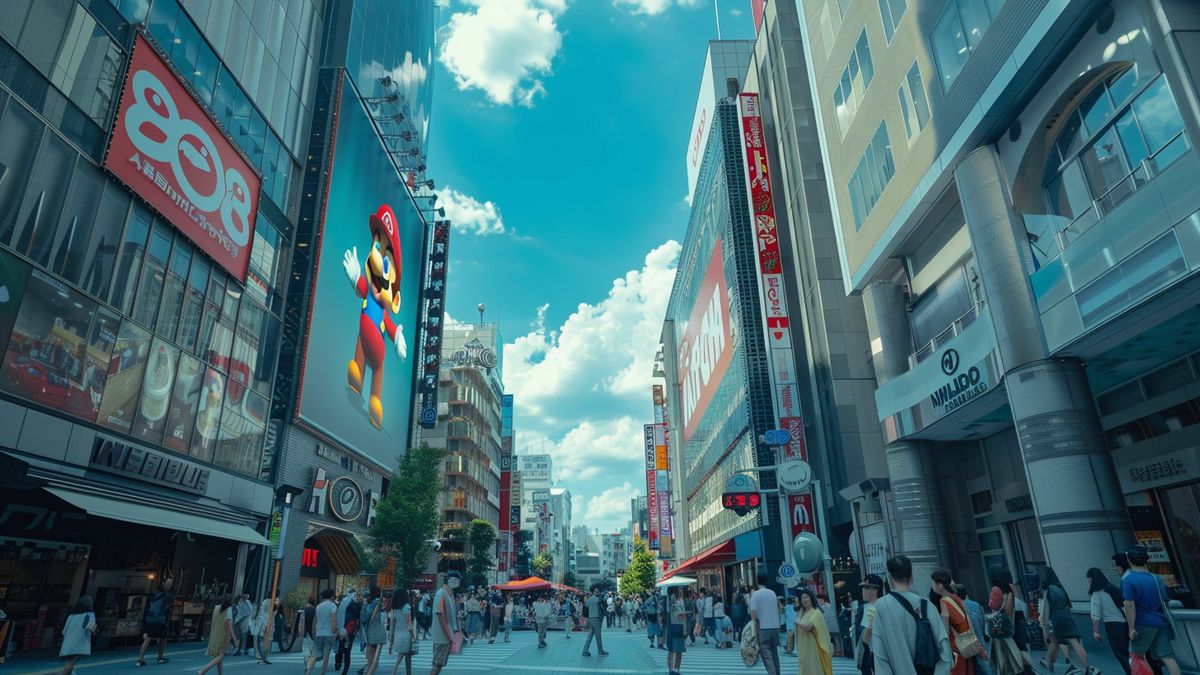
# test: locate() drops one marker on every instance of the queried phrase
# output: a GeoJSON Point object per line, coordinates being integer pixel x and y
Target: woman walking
{"type": "Point", "coordinates": [676, 638]}
{"type": "Point", "coordinates": [1106, 601]}
{"type": "Point", "coordinates": [77, 634]}
{"type": "Point", "coordinates": [1058, 624]}
{"type": "Point", "coordinates": [954, 615]}
{"type": "Point", "coordinates": [402, 640]}
{"type": "Point", "coordinates": [474, 617]}
{"type": "Point", "coordinates": [220, 636]}
{"type": "Point", "coordinates": [373, 630]}
{"type": "Point", "coordinates": [814, 649]}
{"type": "Point", "coordinates": [508, 614]}
{"type": "Point", "coordinates": [1005, 657]}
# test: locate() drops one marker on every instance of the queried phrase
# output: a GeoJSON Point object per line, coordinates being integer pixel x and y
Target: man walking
{"type": "Point", "coordinates": [445, 621]}
{"type": "Point", "coordinates": [495, 608]}
{"type": "Point", "coordinates": [1146, 611]}
{"type": "Point", "coordinates": [708, 620]}
{"type": "Point", "coordinates": [895, 634]}
{"type": "Point", "coordinates": [541, 617]}
{"type": "Point", "coordinates": [764, 612]}
{"type": "Point", "coordinates": [324, 631]}
{"type": "Point", "coordinates": [594, 609]}
{"type": "Point", "coordinates": [347, 622]}
{"type": "Point", "coordinates": [871, 587]}
{"type": "Point", "coordinates": [155, 622]}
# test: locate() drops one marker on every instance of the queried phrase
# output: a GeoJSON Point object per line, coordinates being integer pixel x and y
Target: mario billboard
{"type": "Point", "coordinates": [358, 373]}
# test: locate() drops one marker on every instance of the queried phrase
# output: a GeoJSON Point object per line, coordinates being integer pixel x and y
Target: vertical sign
{"type": "Point", "coordinates": [663, 464]}
{"type": "Point", "coordinates": [435, 310]}
{"type": "Point", "coordinates": [652, 505]}
{"type": "Point", "coordinates": [784, 386]}
{"type": "Point", "coordinates": [507, 525]}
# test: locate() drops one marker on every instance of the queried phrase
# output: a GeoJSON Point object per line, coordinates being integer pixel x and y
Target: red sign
{"type": "Point", "coordinates": [796, 448]}
{"type": "Point", "coordinates": [801, 512]}
{"type": "Point", "coordinates": [757, 7]}
{"type": "Point", "coordinates": [706, 349]}
{"type": "Point", "coordinates": [652, 510]}
{"type": "Point", "coordinates": [741, 500]}
{"type": "Point", "coordinates": [167, 150]}
{"type": "Point", "coordinates": [310, 558]}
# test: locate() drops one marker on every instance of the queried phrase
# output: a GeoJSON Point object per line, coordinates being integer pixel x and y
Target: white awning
{"type": "Point", "coordinates": [158, 516]}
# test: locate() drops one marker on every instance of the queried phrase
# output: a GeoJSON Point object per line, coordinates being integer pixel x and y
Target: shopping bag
{"type": "Point", "coordinates": [750, 648]}
{"type": "Point", "coordinates": [456, 643]}
{"type": "Point", "coordinates": [1138, 665]}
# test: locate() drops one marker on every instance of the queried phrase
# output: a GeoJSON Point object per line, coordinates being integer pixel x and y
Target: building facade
{"type": "Point", "coordinates": [1012, 183]}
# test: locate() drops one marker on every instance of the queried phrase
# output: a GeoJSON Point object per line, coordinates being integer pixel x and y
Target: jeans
{"type": "Point", "coordinates": [542, 625]}
{"type": "Point", "coordinates": [342, 658]}
{"type": "Point", "coordinates": [768, 642]}
{"type": "Point", "coordinates": [594, 628]}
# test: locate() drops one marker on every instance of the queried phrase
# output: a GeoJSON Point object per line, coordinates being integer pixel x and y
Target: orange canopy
{"type": "Point", "coordinates": [530, 584]}
{"type": "Point", "coordinates": [564, 587]}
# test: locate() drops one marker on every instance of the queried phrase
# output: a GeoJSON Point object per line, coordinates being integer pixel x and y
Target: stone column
{"type": "Point", "coordinates": [920, 512]}
{"type": "Point", "coordinates": [1069, 471]}
{"type": "Point", "coordinates": [888, 329]}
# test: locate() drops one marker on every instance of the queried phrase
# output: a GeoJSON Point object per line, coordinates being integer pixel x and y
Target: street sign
{"type": "Point", "coordinates": [787, 571]}
{"type": "Point", "coordinates": [808, 552]}
{"type": "Point", "coordinates": [777, 437]}
{"type": "Point", "coordinates": [794, 475]}
{"type": "Point", "coordinates": [740, 482]}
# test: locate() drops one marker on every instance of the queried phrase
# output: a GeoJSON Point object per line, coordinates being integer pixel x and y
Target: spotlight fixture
{"type": "Point", "coordinates": [385, 81]}
{"type": "Point", "coordinates": [390, 98]}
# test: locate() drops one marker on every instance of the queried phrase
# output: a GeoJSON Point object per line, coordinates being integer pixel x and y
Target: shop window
{"type": "Point", "coordinates": [173, 288]}
{"type": "Point", "coordinates": [208, 415]}
{"type": "Point", "coordinates": [981, 502]}
{"type": "Point", "coordinates": [37, 221]}
{"type": "Point", "coordinates": [79, 219]}
{"type": "Point", "coordinates": [101, 342]}
{"type": "Point", "coordinates": [265, 262]}
{"type": "Point", "coordinates": [22, 134]}
{"type": "Point", "coordinates": [157, 385]}
{"type": "Point", "coordinates": [914, 105]}
{"type": "Point", "coordinates": [937, 308]}
{"type": "Point", "coordinates": [14, 275]}
{"type": "Point", "coordinates": [154, 272]}
{"type": "Point", "coordinates": [185, 400]}
{"type": "Point", "coordinates": [255, 346]}
{"type": "Point", "coordinates": [193, 304]}
{"type": "Point", "coordinates": [891, 11]}
{"type": "Point", "coordinates": [243, 425]}
{"type": "Point", "coordinates": [133, 250]}
{"type": "Point", "coordinates": [217, 349]}
{"type": "Point", "coordinates": [87, 65]}
{"type": "Point", "coordinates": [124, 381]}
{"type": "Point", "coordinates": [1116, 400]}
{"type": "Point", "coordinates": [1182, 505]}
{"type": "Point", "coordinates": [871, 176]}
{"type": "Point", "coordinates": [44, 361]}
{"type": "Point", "coordinates": [1171, 419]}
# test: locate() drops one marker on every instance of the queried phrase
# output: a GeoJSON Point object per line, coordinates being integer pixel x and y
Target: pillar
{"type": "Point", "coordinates": [920, 512]}
{"type": "Point", "coordinates": [888, 329]}
{"type": "Point", "coordinates": [1069, 471]}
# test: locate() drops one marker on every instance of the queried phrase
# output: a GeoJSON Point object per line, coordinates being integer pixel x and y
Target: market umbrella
{"type": "Point", "coordinates": [530, 584]}
{"type": "Point", "coordinates": [564, 587]}
{"type": "Point", "coordinates": [675, 581]}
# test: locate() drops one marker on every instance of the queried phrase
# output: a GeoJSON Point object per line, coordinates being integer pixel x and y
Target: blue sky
{"type": "Point", "coordinates": [557, 142]}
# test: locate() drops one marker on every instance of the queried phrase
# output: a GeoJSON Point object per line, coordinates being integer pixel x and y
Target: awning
{"type": "Point", "coordinates": [341, 549]}
{"type": "Point", "coordinates": [530, 584]}
{"type": "Point", "coordinates": [717, 555]}
{"type": "Point", "coordinates": [157, 516]}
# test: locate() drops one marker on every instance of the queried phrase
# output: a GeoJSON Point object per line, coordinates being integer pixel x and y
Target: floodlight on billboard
{"type": "Point", "coordinates": [357, 374]}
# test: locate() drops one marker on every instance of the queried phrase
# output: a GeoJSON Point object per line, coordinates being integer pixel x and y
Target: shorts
{"type": "Point", "coordinates": [309, 648]}
{"type": "Point", "coordinates": [1153, 642]}
{"type": "Point", "coordinates": [441, 655]}
{"type": "Point", "coordinates": [323, 645]}
{"type": "Point", "coordinates": [155, 630]}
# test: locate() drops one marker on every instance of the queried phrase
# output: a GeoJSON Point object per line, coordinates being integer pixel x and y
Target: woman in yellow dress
{"type": "Point", "coordinates": [220, 637]}
{"type": "Point", "coordinates": [813, 647]}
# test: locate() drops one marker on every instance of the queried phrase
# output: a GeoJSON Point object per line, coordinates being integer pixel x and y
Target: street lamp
{"type": "Point", "coordinates": [287, 493]}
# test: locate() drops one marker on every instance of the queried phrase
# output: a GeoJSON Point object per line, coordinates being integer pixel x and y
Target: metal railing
{"type": "Point", "coordinates": [956, 327]}
{"type": "Point", "coordinates": [1140, 176]}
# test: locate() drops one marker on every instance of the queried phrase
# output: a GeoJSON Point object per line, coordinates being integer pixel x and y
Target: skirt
{"type": "Point", "coordinates": [474, 622]}
{"type": "Point", "coordinates": [676, 638]}
{"type": "Point", "coordinates": [403, 641]}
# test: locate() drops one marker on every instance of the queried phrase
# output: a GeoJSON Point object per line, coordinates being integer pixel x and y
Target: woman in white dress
{"type": "Point", "coordinates": [402, 632]}
{"type": "Point", "coordinates": [77, 634]}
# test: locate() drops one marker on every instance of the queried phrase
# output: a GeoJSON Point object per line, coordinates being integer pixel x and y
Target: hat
{"type": "Point", "coordinates": [872, 580]}
{"type": "Point", "coordinates": [384, 222]}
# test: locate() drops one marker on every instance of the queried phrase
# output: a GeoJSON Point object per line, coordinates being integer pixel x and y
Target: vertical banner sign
{"type": "Point", "coordinates": [506, 445]}
{"type": "Point", "coordinates": [435, 310]}
{"type": "Point", "coordinates": [652, 505]}
{"type": "Point", "coordinates": [777, 327]}
{"type": "Point", "coordinates": [663, 463]}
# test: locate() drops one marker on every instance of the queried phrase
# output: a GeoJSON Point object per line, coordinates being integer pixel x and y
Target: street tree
{"type": "Point", "coordinates": [569, 579]}
{"type": "Point", "coordinates": [482, 537]}
{"type": "Point", "coordinates": [641, 574]}
{"type": "Point", "coordinates": [542, 565]}
{"type": "Point", "coordinates": [524, 564]}
{"type": "Point", "coordinates": [407, 517]}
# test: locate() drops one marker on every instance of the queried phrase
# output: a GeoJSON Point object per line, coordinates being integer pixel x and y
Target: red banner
{"type": "Point", "coordinates": [801, 513]}
{"type": "Point", "coordinates": [167, 150]}
{"type": "Point", "coordinates": [706, 349]}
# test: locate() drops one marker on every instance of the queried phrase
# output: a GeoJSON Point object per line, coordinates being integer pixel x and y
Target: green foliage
{"type": "Point", "coordinates": [641, 574]}
{"type": "Point", "coordinates": [296, 599]}
{"type": "Point", "coordinates": [407, 517]}
{"type": "Point", "coordinates": [482, 536]}
{"type": "Point", "coordinates": [543, 564]}
{"type": "Point", "coordinates": [524, 566]}
{"type": "Point", "coordinates": [569, 579]}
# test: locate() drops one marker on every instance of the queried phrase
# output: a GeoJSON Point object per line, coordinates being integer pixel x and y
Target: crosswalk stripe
{"type": "Point", "coordinates": [705, 660]}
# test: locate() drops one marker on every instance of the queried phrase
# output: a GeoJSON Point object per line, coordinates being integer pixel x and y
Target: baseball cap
{"type": "Point", "coordinates": [872, 580]}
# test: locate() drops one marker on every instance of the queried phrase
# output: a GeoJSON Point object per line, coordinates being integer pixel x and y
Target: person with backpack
{"type": "Point", "coordinates": [1005, 655]}
{"type": "Point", "coordinates": [650, 612]}
{"type": "Point", "coordinates": [77, 634]}
{"type": "Point", "coordinates": [1105, 607]}
{"type": "Point", "coordinates": [155, 622]}
{"type": "Point", "coordinates": [1058, 625]}
{"type": "Point", "coordinates": [1146, 615]}
{"type": "Point", "coordinates": [907, 635]}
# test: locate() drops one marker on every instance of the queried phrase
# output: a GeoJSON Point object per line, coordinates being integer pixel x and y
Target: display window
{"type": "Point", "coordinates": [185, 400]}
{"type": "Point", "coordinates": [1182, 509]}
{"type": "Point", "coordinates": [208, 415]}
{"type": "Point", "coordinates": [126, 370]}
{"type": "Point", "coordinates": [44, 360]}
{"type": "Point", "coordinates": [1150, 519]}
{"type": "Point", "coordinates": [14, 275]}
{"type": "Point", "coordinates": [101, 340]}
{"type": "Point", "coordinates": [157, 383]}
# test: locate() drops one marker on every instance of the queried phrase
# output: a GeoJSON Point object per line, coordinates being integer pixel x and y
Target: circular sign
{"type": "Point", "coordinates": [950, 361]}
{"type": "Point", "coordinates": [345, 499]}
{"type": "Point", "coordinates": [808, 551]}
{"type": "Point", "coordinates": [740, 482]}
{"type": "Point", "coordinates": [794, 475]}
{"type": "Point", "coordinates": [786, 571]}
{"type": "Point", "coordinates": [488, 359]}
{"type": "Point", "coordinates": [429, 415]}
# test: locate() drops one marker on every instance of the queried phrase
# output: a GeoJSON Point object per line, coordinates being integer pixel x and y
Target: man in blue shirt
{"type": "Point", "coordinates": [1146, 612]}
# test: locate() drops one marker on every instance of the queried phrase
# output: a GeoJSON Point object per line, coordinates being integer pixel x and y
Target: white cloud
{"type": "Point", "coordinates": [610, 506]}
{"type": "Point", "coordinates": [503, 47]}
{"type": "Point", "coordinates": [735, 12]}
{"type": "Point", "coordinates": [468, 214]}
{"type": "Point", "coordinates": [652, 7]}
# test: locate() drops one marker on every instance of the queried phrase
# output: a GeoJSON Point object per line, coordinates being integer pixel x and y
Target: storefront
{"type": "Point", "coordinates": [330, 559]}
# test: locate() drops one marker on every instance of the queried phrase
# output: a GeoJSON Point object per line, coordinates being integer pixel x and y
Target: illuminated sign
{"type": "Point", "coordinates": [310, 558]}
{"type": "Point", "coordinates": [167, 150]}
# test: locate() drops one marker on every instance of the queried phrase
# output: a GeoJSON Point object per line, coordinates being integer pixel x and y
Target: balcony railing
{"type": "Point", "coordinates": [1139, 177]}
{"type": "Point", "coordinates": [953, 330]}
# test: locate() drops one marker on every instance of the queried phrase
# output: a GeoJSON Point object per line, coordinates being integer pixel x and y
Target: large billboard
{"type": "Point", "coordinates": [167, 150]}
{"type": "Point", "coordinates": [701, 125]}
{"type": "Point", "coordinates": [706, 349]}
{"type": "Point", "coordinates": [357, 379]}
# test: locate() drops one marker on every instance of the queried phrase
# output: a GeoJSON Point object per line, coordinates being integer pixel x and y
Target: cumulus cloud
{"type": "Point", "coordinates": [609, 510]}
{"type": "Point", "coordinates": [468, 214]}
{"type": "Point", "coordinates": [652, 7]}
{"type": "Point", "coordinates": [503, 47]}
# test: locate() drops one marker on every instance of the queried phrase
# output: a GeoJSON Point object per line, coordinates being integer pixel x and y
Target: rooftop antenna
{"type": "Point", "coordinates": [717, 13]}
{"type": "Point", "coordinates": [480, 307]}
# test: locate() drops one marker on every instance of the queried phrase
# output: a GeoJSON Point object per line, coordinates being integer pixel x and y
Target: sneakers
{"type": "Point", "coordinates": [587, 653]}
{"type": "Point", "coordinates": [603, 653]}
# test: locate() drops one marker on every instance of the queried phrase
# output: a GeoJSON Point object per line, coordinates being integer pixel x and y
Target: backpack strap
{"type": "Point", "coordinates": [908, 605]}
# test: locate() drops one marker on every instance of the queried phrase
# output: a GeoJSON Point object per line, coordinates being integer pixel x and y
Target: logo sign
{"type": "Point", "coordinates": [541, 496]}
{"type": "Point", "coordinates": [950, 362]}
{"type": "Point", "coordinates": [474, 353]}
{"type": "Point", "coordinates": [114, 456]}
{"type": "Point", "coordinates": [345, 499]}
{"type": "Point", "coordinates": [167, 150]}
{"type": "Point", "coordinates": [707, 347]}
{"type": "Point", "coordinates": [787, 571]}
{"type": "Point", "coordinates": [807, 551]}
{"type": "Point", "coordinates": [794, 475]}
{"type": "Point", "coordinates": [777, 437]}
{"type": "Point", "coordinates": [961, 388]}
{"type": "Point", "coordinates": [800, 509]}
{"type": "Point", "coordinates": [310, 558]}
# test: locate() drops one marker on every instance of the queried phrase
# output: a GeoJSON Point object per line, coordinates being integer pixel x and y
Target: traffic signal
{"type": "Point", "coordinates": [741, 503]}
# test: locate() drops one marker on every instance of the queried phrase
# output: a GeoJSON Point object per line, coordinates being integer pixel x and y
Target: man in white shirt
{"type": "Point", "coordinates": [764, 612]}
{"type": "Point", "coordinates": [894, 630]}
{"type": "Point", "coordinates": [445, 621]}
{"type": "Point", "coordinates": [541, 617]}
{"type": "Point", "coordinates": [705, 607]}
{"type": "Point", "coordinates": [324, 631]}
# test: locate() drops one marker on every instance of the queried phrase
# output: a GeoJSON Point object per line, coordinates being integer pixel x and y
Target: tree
{"type": "Point", "coordinates": [407, 517]}
{"type": "Point", "coordinates": [641, 574]}
{"type": "Point", "coordinates": [524, 565]}
{"type": "Point", "coordinates": [542, 565]}
{"type": "Point", "coordinates": [482, 537]}
{"type": "Point", "coordinates": [569, 579]}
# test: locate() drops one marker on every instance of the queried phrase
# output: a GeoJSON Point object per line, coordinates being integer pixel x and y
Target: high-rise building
{"type": "Point", "coordinates": [1014, 186]}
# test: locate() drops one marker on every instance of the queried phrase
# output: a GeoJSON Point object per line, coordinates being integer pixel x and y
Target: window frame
{"type": "Point", "coordinates": [907, 99]}
{"type": "Point", "coordinates": [891, 23]}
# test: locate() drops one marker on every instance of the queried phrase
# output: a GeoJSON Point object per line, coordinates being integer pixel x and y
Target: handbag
{"type": "Point", "coordinates": [967, 642]}
{"type": "Point", "coordinates": [1138, 665]}
{"type": "Point", "coordinates": [456, 643]}
{"type": "Point", "coordinates": [750, 647]}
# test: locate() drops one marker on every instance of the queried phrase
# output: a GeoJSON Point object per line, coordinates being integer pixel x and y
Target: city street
{"type": "Point", "coordinates": [628, 653]}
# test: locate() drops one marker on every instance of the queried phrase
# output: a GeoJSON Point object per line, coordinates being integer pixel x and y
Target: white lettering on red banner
{"type": "Point", "coordinates": [706, 349]}
{"type": "Point", "coordinates": [166, 148]}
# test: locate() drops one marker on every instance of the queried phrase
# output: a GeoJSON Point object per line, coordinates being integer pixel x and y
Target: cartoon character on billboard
{"type": "Point", "coordinates": [377, 282]}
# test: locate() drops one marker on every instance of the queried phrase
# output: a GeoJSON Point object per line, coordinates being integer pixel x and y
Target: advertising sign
{"type": "Point", "coordinates": [356, 385]}
{"type": "Point", "coordinates": [662, 460]}
{"type": "Point", "coordinates": [652, 505]}
{"type": "Point", "coordinates": [702, 120]}
{"type": "Point", "coordinates": [706, 349]}
{"type": "Point", "coordinates": [801, 513]}
{"type": "Point", "coordinates": [167, 150]}
{"type": "Point", "coordinates": [435, 312]}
